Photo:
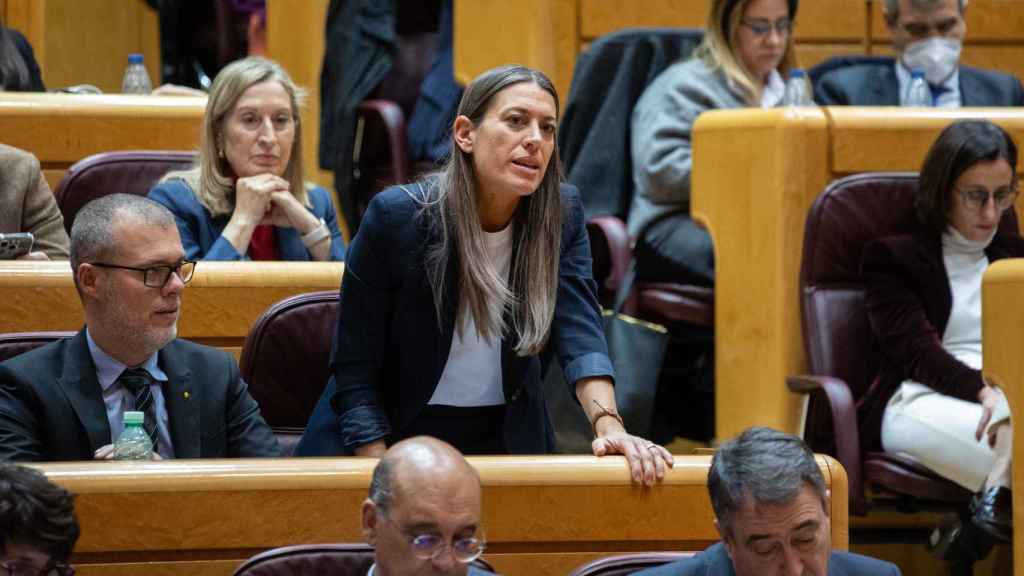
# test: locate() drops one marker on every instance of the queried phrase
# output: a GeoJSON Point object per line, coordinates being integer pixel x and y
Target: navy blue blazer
{"type": "Point", "coordinates": [51, 405]}
{"type": "Point", "coordinates": [715, 561]}
{"type": "Point", "coordinates": [200, 232]}
{"type": "Point", "coordinates": [876, 85]}
{"type": "Point", "coordinates": [389, 351]}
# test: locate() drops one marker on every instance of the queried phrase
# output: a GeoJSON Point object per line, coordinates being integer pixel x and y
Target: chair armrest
{"type": "Point", "coordinates": [844, 426]}
{"type": "Point", "coordinates": [616, 238]}
{"type": "Point", "coordinates": [387, 116]}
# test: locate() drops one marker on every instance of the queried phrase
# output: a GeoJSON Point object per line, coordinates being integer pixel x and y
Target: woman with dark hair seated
{"type": "Point", "coordinates": [457, 284]}
{"type": "Point", "coordinates": [19, 71]}
{"type": "Point", "coordinates": [930, 401]}
{"type": "Point", "coordinates": [38, 528]}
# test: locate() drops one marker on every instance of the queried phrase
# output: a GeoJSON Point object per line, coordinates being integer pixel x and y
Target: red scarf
{"type": "Point", "coordinates": [263, 245]}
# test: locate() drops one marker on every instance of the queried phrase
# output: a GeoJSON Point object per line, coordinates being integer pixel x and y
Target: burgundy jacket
{"type": "Point", "coordinates": [909, 301]}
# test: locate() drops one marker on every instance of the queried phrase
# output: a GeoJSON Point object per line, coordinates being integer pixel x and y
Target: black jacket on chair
{"type": "Point", "coordinates": [389, 351]}
{"type": "Point", "coordinates": [51, 405]}
{"type": "Point", "coordinates": [594, 134]}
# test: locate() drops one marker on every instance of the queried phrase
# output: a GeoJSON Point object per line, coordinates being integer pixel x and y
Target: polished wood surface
{"type": "Point", "coordinates": [1002, 330]}
{"type": "Point", "coordinates": [550, 34]}
{"type": "Point", "coordinates": [87, 41]}
{"type": "Point", "coordinates": [778, 162]}
{"type": "Point", "coordinates": [61, 129]}
{"type": "Point", "coordinates": [542, 515]}
{"type": "Point", "coordinates": [218, 307]}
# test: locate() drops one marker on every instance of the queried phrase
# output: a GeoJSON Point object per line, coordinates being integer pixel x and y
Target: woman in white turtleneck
{"type": "Point", "coordinates": [930, 401]}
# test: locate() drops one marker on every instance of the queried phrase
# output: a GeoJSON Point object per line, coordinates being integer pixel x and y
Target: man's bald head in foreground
{"type": "Point", "coordinates": [422, 486]}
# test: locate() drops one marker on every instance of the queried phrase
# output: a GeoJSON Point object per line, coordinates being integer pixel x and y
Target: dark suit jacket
{"type": "Point", "coordinates": [909, 301]}
{"type": "Point", "coordinates": [876, 85]}
{"type": "Point", "coordinates": [389, 352]}
{"type": "Point", "coordinates": [51, 405]}
{"type": "Point", "coordinates": [34, 81]}
{"type": "Point", "coordinates": [201, 234]}
{"type": "Point", "coordinates": [28, 205]}
{"type": "Point", "coordinates": [715, 561]}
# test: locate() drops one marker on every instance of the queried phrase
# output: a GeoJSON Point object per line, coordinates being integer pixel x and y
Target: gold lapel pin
{"type": "Point", "coordinates": [186, 395]}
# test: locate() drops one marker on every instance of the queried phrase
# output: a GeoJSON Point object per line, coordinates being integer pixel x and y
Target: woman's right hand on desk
{"type": "Point", "coordinates": [252, 196]}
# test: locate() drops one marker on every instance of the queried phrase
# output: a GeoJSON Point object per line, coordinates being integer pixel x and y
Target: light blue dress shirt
{"type": "Point", "coordinates": [118, 400]}
{"type": "Point", "coordinates": [950, 97]}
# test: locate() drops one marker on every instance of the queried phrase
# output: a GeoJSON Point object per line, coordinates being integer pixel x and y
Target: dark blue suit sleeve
{"type": "Point", "coordinates": [193, 222]}
{"type": "Point", "coordinates": [324, 208]}
{"type": "Point", "coordinates": [361, 340]}
{"type": "Point", "coordinates": [19, 438]}
{"type": "Point", "coordinates": [577, 333]}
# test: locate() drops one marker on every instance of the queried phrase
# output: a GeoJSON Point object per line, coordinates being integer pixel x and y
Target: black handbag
{"type": "Point", "coordinates": [637, 349]}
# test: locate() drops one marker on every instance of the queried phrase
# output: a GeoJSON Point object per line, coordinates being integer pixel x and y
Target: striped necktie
{"type": "Point", "coordinates": [137, 381]}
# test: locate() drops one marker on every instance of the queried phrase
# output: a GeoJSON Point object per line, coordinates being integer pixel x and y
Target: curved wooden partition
{"type": "Point", "coordinates": [542, 515]}
{"type": "Point", "coordinates": [1002, 327]}
{"type": "Point", "coordinates": [218, 307]}
{"type": "Point", "coordinates": [755, 174]}
{"type": "Point", "coordinates": [61, 129]}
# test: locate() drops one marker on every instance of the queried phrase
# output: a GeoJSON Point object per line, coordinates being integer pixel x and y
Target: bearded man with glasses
{"type": "Point", "coordinates": [66, 400]}
{"type": "Point", "coordinates": [423, 512]}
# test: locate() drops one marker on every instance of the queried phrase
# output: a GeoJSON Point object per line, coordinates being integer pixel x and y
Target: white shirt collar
{"type": "Point", "coordinates": [774, 90]}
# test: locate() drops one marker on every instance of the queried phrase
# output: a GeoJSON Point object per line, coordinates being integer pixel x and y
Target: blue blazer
{"type": "Point", "coordinates": [200, 232]}
{"type": "Point", "coordinates": [876, 85]}
{"type": "Point", "coordinates": [715, 561]}
{"type": "Point", "coordinates": [389, 352]}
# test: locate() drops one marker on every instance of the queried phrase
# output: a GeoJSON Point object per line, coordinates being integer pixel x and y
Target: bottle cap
{"type": "Point", "coordinates": [796, 73]}
{"type": "Point", "coordinates": [135, 58]}
{"type": "Point", "coordinates": [132, 418]}
{"type": "Point", "coordinates": [917, 73]}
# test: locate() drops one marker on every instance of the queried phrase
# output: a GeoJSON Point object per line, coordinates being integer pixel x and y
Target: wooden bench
{"type": "Point", "coordinates": [756, 218]}
{"type": "Point", "coordinates": [542, 515]}
{"type": "Point", "coordinates": [1002, 327]}
{"type": "Point", "coordinates": [218, 307]}
{"type": "Point", "coordinates": [61, 129]}
{"type": "Point", "coordinates": [549, 34]}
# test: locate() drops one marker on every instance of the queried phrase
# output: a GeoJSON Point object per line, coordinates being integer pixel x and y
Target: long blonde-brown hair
{"type": "Point", "coordinates": [212, 179]}
{"type": "Point", "coordinates": [718, 50]}
{"type": "Point", "coordinates": [449, 200]}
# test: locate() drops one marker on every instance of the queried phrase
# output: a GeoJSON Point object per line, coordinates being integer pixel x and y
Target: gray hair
{"type": "Point", "coordinates": [92, 237]}
{"type": "Point", "coordinates": [764, 464]}
{"type": "Point", "coordinates": [449, 197]}
{"type": "Point", "coordinates": [381, 489]}
{"type": "Point", "coordinates": [892, 7]}
{"type": "Point", "coordinates": [212, 180]}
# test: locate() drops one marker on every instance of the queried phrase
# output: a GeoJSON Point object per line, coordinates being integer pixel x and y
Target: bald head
{"type": "Point", "coordinates": [414, 461]}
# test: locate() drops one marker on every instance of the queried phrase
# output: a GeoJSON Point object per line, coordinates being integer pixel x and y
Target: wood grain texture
{"type": "Point", "coordinates": [218, 307]}
{"type": "Point", "coordinates": [542, 515]}
{"type": "Point", "coordinates": [1002, 326]}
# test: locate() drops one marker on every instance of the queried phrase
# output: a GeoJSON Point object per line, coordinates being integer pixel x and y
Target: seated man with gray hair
{"type": "Point", "coordinates": [423, 512]}
{"type": "Point", "coordinates": [66, 400]}
{"type": "Point", "coordinates": [772, 511]}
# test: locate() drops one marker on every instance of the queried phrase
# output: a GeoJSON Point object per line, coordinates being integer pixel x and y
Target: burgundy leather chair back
{"type": "Point", "coordinates": [333, 559]}
{"type": "Point", "coordinates": [628, 563]}
{"type": "Point", "coordinates": [131, 172]}
{"type": "Point", "coordinates": [16, 343]}
{"type": "Point", "coordinates": [285, 360]}
{"type": "Point", "coordinates": [837, 336]}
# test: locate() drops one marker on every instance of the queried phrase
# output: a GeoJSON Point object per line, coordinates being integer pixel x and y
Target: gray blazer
{"type": "Point", "coordinates": [27, 205]}
{"type": "Point", "coordinates": [662, 146]}
{"type": "Point", "coordinates": [876, 85]}
{"type": "Point", "coordinates": [715, 561]}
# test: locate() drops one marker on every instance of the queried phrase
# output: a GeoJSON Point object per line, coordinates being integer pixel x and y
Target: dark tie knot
{"type": "Point", "coordinates": [938, 89]}
{"type": "Point", "coordinates": [135, 379]}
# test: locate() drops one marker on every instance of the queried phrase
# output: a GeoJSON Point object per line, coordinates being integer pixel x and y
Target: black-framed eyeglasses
{"type": "Point", "coordinates": [21, 568]}
{"type": "Point", "coordinates": [429, 546]}
{"type": "Point", "coordinates": [762, 28]}
{"type": "Point", "coordinates": [157, 276]}
{"type": "Point", "coordinates": [976, 198]}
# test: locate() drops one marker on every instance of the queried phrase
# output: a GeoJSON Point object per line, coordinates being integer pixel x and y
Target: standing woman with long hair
{"type": "Point", "coordinates": [456, 285]}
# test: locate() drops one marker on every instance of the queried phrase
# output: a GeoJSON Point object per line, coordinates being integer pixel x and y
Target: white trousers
{"type": "Point", "coordinates": [938, 431]}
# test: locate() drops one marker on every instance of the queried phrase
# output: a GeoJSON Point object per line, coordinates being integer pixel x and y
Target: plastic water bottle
{"type": "Point", "coordinates": [798, 93]}
{"type": "Point", "coordinates": [136, 79]}
{"type": "Point", "coordinates": [918, 92]}
{"type": "Point", "coordinates": [133, 443]}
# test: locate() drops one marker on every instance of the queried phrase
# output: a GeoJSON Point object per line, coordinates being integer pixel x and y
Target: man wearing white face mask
{"type": "Point", "coordinates": [927, 35]}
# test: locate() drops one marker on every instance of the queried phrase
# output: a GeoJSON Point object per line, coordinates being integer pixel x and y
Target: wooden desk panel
{"type": "Point", "coordinates": [543, 515]}
{"type": "Point", "coordinates": [1002, 325]}
{"type": "Point", "coordinates": [219, 306]}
